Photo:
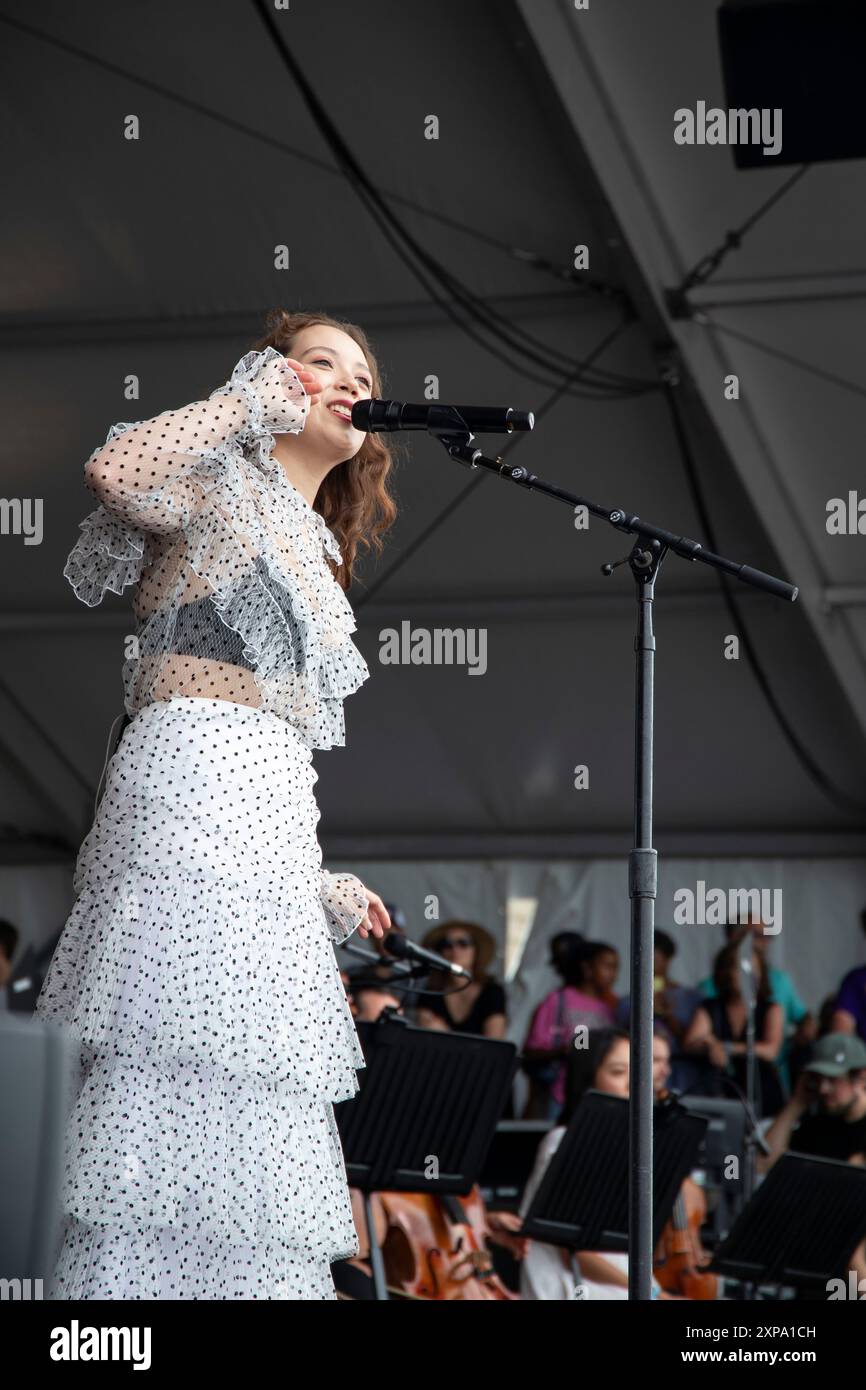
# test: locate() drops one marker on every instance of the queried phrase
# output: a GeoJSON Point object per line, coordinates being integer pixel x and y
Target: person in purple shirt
{"type": "Point", "coordinates": [850, 1013]}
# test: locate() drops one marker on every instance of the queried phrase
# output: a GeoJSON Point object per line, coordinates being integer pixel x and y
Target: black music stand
{"type": "Point", "coordinates": [800, 1227]}
{"type": "Point", "coordinates": [582, 1200]}
{"type": "Point", "coordinates": [425, 1114]}
{"type": "Point", "coordinates": [510, 1161]}
{"type": "Point", "coordinates": [726, 1135]}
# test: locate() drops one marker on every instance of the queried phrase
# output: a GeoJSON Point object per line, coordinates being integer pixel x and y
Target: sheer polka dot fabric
{"type": "Point", "coordinates": [196, 972]}
{"type": "Point", "coordinates": [234, 597]}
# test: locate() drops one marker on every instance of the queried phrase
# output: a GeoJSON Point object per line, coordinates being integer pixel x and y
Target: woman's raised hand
{"type": "Point", "coordinates": [275, 382]}
{"type": "Point", "coordinates": [309, 380]}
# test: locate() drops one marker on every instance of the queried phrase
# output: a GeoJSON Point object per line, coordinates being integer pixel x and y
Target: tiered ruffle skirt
{"type": "Point", "coordinates": [197, 976]}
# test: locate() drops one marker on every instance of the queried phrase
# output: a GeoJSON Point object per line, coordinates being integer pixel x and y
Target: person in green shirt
{"type": "Point", "coordinates": [799, 1024]}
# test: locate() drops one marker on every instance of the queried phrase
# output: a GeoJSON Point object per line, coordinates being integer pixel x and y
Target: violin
{"type": "Point", "coordinates": [680, 1256]}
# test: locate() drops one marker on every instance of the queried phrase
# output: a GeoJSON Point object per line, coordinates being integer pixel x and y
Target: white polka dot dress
{"type": "Point", "coordinates": [196, 971]}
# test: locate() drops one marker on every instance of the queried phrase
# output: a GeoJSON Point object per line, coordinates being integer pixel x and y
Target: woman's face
{"type": "Point", "coordinates": [345, 376]}
{"type": "Point", "coordinates": [661, 1062]}
{"type": "Point", "coordinates": [612, 1075]}
{"type": "Point", "coordinates": [458, 947]}
{"type": "Point", "coordinates": [661, 963]}
{"type": "Point", "coordinates": [734, 980]}
{"type": "Point", "coordinates": [604, 970]}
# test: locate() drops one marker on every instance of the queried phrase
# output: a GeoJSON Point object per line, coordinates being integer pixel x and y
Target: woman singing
{"type": "Point", "coordinates": [196, 971]}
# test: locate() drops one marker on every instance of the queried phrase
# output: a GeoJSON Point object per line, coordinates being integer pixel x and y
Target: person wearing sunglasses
{"type": "Point", "coordinates": [478, 1008]}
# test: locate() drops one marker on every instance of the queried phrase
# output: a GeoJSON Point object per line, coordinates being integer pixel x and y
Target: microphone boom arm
{"type": "Point", "coordinates": [447, 425]}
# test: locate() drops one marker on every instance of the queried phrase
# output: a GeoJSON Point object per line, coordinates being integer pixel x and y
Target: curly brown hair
{"type": "Point", "coordinates": [354, 498]}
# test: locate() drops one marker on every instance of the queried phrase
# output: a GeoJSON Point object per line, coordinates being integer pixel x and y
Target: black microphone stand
{"type": "Point", "coordinates": [748, 991]}
{"type": "Point", "coordinates": [644, 560]}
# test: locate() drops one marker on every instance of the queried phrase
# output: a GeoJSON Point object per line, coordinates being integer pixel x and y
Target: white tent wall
{"type": "Point", "coordinates": [820, 938]}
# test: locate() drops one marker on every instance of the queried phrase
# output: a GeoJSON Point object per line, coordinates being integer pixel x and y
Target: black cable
{"type": "Point", "coordinates": [391, 226]}
{"type": "Point", "coordinates": [840, 798]}
{"type": "Point", "coordinates": [703, 318]}
{"type": "Point", "coordinates": [387, 225]}
{"type": "Point", "coordinates": [708, 265]}
{"type": "Point", "coordinates": [632, 385]}
{"type": "Point", "coordinates": [511, 443]}
{"type": "Point", "coordinates": [579, 282]}
{"type": "Point", "coordinates": [485, 316]}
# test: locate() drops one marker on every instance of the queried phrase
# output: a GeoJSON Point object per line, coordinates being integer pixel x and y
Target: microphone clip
{"type": "Point", "coordinates": [446, 424]}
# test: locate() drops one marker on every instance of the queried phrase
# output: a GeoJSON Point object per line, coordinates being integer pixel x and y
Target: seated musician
{"type": "Point", "coordinates": [370, 997]}
{"type": "Point", "coordinates": [546, 1271]}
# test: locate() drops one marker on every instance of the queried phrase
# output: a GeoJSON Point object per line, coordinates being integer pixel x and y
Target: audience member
{"type": "Point", "coordinates": [476, 1008]}
{"type": "Point", "coordinates": [575, 1004]}
{"type": "Point", "coordinates": [718, 1029]}
{"type": "Point", "coordinates": [8, 944]}
{"type": "Point", "coordinates": [674, 1008]}
{"type": "Point", "coordinates": [849, 1015]}
{"type": "Point", "coordinates": [552, 1271]}
{"type": "Point", "coordinates": [369, 997]}
{"type": "Point", "coordinates": [798, 1025]}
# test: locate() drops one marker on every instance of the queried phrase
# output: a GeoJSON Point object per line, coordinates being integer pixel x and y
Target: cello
{"type": "Point", "coordinates": [435, 1247]}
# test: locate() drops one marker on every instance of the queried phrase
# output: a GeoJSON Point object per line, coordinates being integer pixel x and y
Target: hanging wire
{"type": "Point", "coordinates": [459, 498]}
{"type": "Point", "coordinates": [709, 264]}
{"type": "Point", "coordinates": [837, 795]}
{"type": "Point", "coordinates": [783, 356]}
{"type": "Point", "coordinates": [578, 282]}
{"type": "Point", "coordinates": [400, 239]}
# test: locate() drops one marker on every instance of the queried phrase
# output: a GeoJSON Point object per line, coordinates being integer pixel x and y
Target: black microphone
{"type": "Point", "coordinates": [396, 944]}
{"type": "Point", "coordinates": [379, 416]}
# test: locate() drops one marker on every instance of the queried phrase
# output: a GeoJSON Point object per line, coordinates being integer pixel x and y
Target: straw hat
{"type": "Point", "coordinates": [485, 945]}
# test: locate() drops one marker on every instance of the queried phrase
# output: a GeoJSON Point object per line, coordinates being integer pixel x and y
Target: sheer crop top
{"type": "Point", "coordinates": [234, 596]}
{"type": "Point", "coordinates": [201, 633]}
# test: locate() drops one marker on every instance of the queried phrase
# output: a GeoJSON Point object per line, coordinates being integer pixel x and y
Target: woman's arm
{"type": "Point", "coordinates": [495, 1026]}
{"type": "Point", "coordinates": [769, 1046]}
{"type": "Point", "coordinates": [664, 1011]}
{"type": "Point", "coordinates": [700, 1040]}
{"type": "Point", "coordinates": [858, 1262]}
{"type": "Point", "coordinates": [698, 1032]}
{"type": "Point", "coordinates": [595, 1267]}
{"type": "Point", "coordinates": [778, 1136]}
{"type": "Point", "coordinates": [140, 474]}
{"type": "Point", "coordinates": [427, 1019]}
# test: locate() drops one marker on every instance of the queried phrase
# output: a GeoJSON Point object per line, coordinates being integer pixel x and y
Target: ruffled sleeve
{"type": "Point", "coordinates": [147, 475]}
{"type": "Point", "coordinates": [247, 540]}
{"type": "Point", "coordinates": [345, 903]}
{"type": "Point", "coordinates": [143, 473]}
{"type": "Point", "coordinates": [109, 554]}
{"type": "Point", "coordinates": [259, 546]}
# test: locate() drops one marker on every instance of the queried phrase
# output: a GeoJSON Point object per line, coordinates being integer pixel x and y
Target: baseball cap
{"type": "Point", "coordinates": [836, 1054]}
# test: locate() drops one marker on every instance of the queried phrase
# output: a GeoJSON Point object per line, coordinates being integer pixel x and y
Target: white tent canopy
{"type": "Point", "coordinates": [155, 257]}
